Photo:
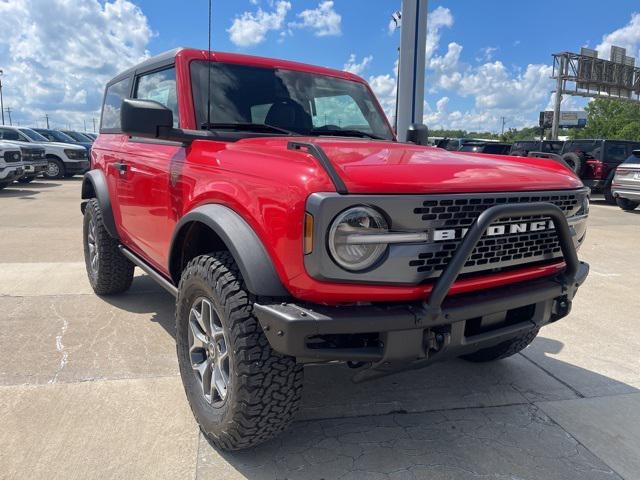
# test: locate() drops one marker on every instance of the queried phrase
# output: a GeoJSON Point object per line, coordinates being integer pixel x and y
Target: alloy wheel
{"type": "Point", "coordinates": [94, 255]}
{"type": "Point", "coordinates": [53, 169]}
{"type": "Point", "coordinates": [208, 351]}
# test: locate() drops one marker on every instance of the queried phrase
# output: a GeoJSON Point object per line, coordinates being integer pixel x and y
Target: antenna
{"type": "Point", "coordinates": [209, 70]}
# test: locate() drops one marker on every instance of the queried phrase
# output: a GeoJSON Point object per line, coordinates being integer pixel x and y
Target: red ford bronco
{"type": "Point", "coordinates": [272, 199]}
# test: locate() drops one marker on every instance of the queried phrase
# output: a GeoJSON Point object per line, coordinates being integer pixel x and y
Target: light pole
{"type": "Point", "coordinates": [1, 100]}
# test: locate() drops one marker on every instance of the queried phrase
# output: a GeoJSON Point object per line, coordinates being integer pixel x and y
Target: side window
{"type": "Point", "coordinates": [9, 134]}
{"type": "Point", "coordinates": [615, 152]}
{"type": "Point", "coordinates": [161, 87]}
{"type": "Point", "coordinates": [112, 103]}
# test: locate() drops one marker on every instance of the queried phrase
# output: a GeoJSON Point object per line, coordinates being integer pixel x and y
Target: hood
{"type": "Point", "coordinates": [71, 146]}
{"type": "Point", "coordinates": [367, 166]}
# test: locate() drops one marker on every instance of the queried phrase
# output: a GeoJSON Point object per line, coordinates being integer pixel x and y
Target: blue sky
{"type": "Point", "coordinates": [485, 59]}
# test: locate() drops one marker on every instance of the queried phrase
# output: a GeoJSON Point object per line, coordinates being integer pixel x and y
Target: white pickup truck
{"type": "Point", "coordinates": [63, 159]}
{"type": "Point", "coordinates": [11, 167]}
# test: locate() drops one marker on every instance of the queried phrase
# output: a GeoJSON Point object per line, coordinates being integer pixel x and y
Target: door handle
{"type": "Point", "coordinates": [121, 167]}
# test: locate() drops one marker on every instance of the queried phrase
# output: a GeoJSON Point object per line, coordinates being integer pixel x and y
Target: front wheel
{"type": "Point", "coordinates": [26, 179]}
{"type": "Point", "coordinates": [4, 185]}
{"type": "Point", "coordinates": [241, 392]}
{"type": "Point", "coordinates": [626, 204]}
{"type": "Point", "coordinates": [504, 349]}
{"type": "Point", "coordinates": [55, 168]}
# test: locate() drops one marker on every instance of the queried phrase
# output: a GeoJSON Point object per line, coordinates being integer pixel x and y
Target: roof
{"type": "Point", "coordinates": [192, 53]}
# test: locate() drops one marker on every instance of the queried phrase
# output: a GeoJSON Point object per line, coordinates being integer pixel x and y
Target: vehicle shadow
{"type": "Point", "coordinates": [12, 192]}
{"type": "Point", "coordinates": [479, 427]}
{"type": "Point", "coordinates": [443, 421]}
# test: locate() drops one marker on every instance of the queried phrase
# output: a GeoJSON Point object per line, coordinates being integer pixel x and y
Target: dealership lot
{"type": "Point", "coordinates": [89, 386]}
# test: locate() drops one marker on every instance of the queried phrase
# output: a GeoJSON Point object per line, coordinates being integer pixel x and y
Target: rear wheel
{"type": "Point", "coordinates": [626, 204]}
{"type": "Point", "coordinates": [504, 349]}
{"type": "Point", "coordinates": [4, 185]}
{"type": "Point", "coordinates": [241, 392]}
{"type": "Point", "coordinates": [55, 168]}
{"type": "Point", "coordinates": [109, 271]}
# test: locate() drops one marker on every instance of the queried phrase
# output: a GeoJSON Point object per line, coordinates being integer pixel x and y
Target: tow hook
{"type": "Point", "coordinates": [435, 341]}
{"type": "Point", "coordinates": [561, 308]}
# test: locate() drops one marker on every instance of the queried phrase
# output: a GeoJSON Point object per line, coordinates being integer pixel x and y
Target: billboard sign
{"type": "Point", "coordinates": [567, 119]}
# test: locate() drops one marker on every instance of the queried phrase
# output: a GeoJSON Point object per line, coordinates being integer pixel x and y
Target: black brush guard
{"type": "Point", "coordinates": [412, 335]}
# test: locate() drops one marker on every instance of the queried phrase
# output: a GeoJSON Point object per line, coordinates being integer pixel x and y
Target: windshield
{"type": "Point", "coordinates": [60, 137]}
{"type": "Point", "coordinates": [33, 135]}
{"type": "Point", "coordinates": [299, 102]}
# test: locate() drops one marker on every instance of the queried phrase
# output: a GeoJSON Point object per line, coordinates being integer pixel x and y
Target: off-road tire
{"type": "Point", "coordinates": [4, 185]}
{"type": "Point", "coordinates": [504, 349]}
{"type": "Point", "coordinates": [575, 162]}
{"type": "Point", "coordinates": [626, 204]}
{"type": "Point", "coordinates": [114, 272]}
{"type": "Point", "coordinates": [61, 169]}
{"type": "Point", "coordinates": [264, 390]}
{"type": "Point", "coordinates": [26, 179]}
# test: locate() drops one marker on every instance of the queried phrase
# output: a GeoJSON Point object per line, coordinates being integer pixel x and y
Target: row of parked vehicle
{"type": "Point", "coordinates": [26, 153]}
{"type": "Point", "coordinates": [596, 162]}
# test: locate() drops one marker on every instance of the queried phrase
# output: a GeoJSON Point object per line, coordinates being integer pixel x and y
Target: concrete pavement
{"type": "Point", "coordinates": [89, 386]}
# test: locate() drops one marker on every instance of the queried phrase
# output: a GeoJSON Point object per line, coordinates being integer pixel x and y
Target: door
{"type": "Point", "coordinates": [145, 179]}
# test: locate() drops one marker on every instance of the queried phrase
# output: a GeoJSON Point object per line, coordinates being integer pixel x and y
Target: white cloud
{"type": "Point", "coordinates": [384, 86]}
{"type": "Point", "coordinates": [251, 28]}
{"type": "Point", "coordinates": [436, 20]}
{"type": "Point", "coordinates": [52, 65]}
{"type": "Point", "coordinates": [627, 37]}
{"type": "Point", "coordinates": [354, 67]}
{"type": "Point", "coordinates": [323, 20]}
{"type": "Point", "coordinates": [486, 54]}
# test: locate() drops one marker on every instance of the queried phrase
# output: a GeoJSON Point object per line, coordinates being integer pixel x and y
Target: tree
{"type": "Point", "coordinates": [611, 119]}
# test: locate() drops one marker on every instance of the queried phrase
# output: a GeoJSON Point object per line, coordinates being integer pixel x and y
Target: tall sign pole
{"type": "Point", "coordinates": [558, 99]}
{"type": "Point", "coordinates": [413, 46]}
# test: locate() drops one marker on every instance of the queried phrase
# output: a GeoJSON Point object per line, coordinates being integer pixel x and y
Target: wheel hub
{"type": "Point", "coordinates": [208, 351]}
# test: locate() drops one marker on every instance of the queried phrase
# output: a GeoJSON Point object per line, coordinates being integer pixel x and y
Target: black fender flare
{"type": "Point", "coordinates": [94, 185]}
{"type": "Point", "coordinates": [242, 242]}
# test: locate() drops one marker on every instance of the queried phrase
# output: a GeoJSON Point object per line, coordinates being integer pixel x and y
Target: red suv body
{"type": "Point", "coordinates": [349, 245]}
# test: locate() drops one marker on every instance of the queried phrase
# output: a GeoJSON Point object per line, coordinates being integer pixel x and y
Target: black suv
{"type": "Point", "coordinates": [522, 148]}
{"type": "Point", "coordinates": [595, 161]}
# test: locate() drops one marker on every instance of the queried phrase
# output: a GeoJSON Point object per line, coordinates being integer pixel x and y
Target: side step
{"type": "Point", "coordinates": [149, 270]}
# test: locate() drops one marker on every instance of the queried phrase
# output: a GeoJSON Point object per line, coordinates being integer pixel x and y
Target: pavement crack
{"type": "Point", "coordinates": [556, 378]}
{"type": "Point", "coordinates": [59, 345]}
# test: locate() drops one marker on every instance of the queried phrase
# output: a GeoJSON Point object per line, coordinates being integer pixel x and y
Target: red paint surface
{"type": "Point", "coordinates": [267, 185]}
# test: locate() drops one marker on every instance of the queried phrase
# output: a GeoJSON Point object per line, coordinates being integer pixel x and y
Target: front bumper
{"type": "Point", "coordinates": [34, 169]}
{"type": "Point", "coordinates": [8, 174]}
{"type": "Point", "coordinates": [76, 166]}
{"type": "Point", "coordinates": [396, 337]}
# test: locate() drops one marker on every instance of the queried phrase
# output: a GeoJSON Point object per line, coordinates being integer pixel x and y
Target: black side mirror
{"type": "Point", "coordinates": [418, 133]}
{"type": "Point", "coordinates": [150, 119]}
{"type": "Point", "coordinates": [145, 118]}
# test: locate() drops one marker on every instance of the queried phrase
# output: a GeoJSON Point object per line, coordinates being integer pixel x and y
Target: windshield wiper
{"type": "Point", "coordinates": [343, 132]}
{"type": "Point", "coordinates": [252, 127]}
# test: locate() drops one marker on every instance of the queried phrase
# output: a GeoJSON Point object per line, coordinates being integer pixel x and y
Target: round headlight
{"type": "Point", "coordinates": [349, 228]}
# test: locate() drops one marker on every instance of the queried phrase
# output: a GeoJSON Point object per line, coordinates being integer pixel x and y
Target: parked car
{"type": "Point", "coordinates": [11, 167]}
{"type": "Point", "coordinates": [452, 144]}
{"type": "Point", "coordinates": [521, 148]}
{"type": "Point", "coordinates": [81, 137]}
{"type": "Point", "coordinates": [287, 239]}
{"type": "Point", "coordinates": [35, 163]}
{"type": "Point", "coordinates": [625, 187]}
{"type": "Point", "coordinates": [61, 137]}
{"type": "Point", "coordinates": [63, 159]}
{"type": "Point", "coordinates": [91, 135]}
{"type": "Point", "coordinates": [595, 161]}
{"type": "Point", "coordinates": [493, 148]}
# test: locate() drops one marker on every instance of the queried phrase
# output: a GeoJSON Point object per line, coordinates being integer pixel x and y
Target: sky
{"type": "Point", "coordinates": [485, 60]}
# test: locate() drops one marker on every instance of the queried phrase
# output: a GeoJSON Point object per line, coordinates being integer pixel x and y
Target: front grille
{"type": "Point", "coordinates": [33, 154]}
{"type": "Point", "coordinates": [12, 156]}
{"type": "Point", "coordinates": [491, 253]}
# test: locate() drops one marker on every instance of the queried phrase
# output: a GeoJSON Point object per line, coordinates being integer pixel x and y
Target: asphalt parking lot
{"type": "Point", "coordinates": [89, 386]}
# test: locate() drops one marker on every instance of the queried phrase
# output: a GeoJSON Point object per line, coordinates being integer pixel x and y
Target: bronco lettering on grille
{"type": "Point", "coordinates": [443, 234]}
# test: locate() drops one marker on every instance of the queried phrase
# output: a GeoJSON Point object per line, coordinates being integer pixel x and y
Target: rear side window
{"type": "Point", "coordinates": [161, 87]}
{"type": "Point", "coordinates": [615, 152]}
{"type": "Point", "coordinates": [112, 104]}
